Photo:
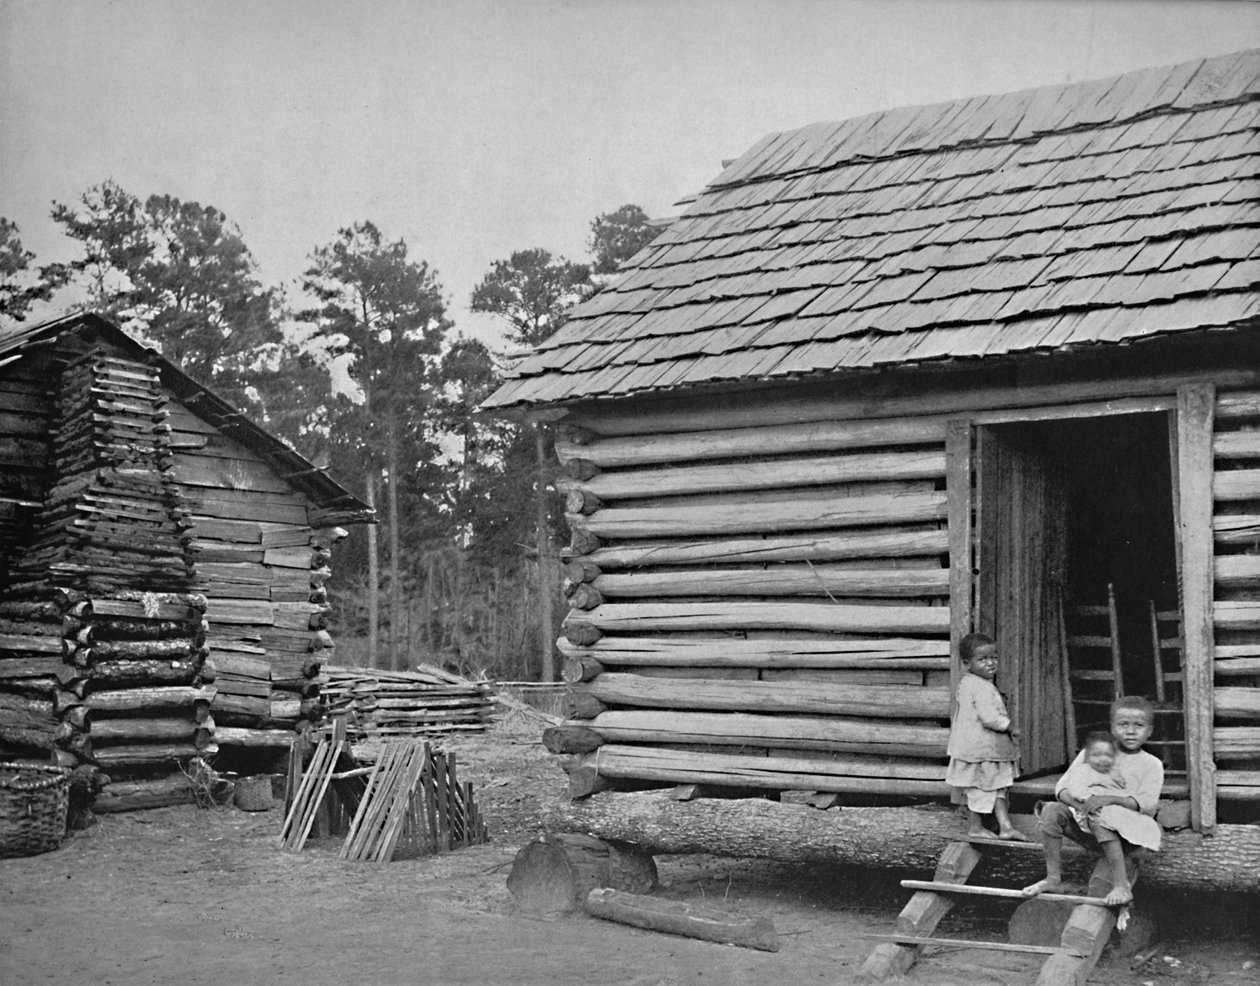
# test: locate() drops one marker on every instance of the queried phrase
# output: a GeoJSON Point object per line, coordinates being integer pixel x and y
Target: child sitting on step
{"type": "Point", "coordinates": [982, 749]}
{"type": "Point", "coordinates": [1111, 809]}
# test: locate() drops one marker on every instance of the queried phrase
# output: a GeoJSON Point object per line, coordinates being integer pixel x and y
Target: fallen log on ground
{"type": "Point", "coordinates": [902, 838]}
{"type": "Point", "coordinates": [677, 917]}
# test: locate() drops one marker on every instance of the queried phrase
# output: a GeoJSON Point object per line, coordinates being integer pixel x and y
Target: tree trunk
{"type": "Point", "coordinates": [554, 873]}
{"type": "Point", "coordinates": [546, 619]}
{"type": "Point", "coordinates": [374, 579]}
{"type": "Point", "coordinates": [395, 584]}
{"type": "Point", "coordinates": [910, 838]}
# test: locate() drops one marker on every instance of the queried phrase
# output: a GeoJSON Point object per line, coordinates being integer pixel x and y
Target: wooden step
{"type": "Point", "coordinates": [1004, 843]}
{"type": "Point", "coordinates": [982, 891]}
{"type": "Point", "coordinates": [995, 946]}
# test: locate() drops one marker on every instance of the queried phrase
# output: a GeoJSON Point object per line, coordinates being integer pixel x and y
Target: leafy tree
{"type": "Point", "coordinates": [533, 293]}
{"type": "Point", "coordinates": [17, 289]}
{"type": "Point", "coordinates": [618, 235]}
{"type": "Point", "coordinates": [180, 274]}
{"type": "Point", "coordinates": [382, 315]}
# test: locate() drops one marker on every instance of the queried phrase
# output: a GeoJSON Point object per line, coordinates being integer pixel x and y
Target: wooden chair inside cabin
{"type": "Point", "coordinates": [1169, 742]}
{"type": "Point", "coordinates": [1095, 678]}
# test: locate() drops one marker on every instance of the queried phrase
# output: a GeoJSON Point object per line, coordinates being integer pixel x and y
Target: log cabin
{"type": "Point", "coordinates": [163, 562]}
{"type": "Point", "coordinates": [985, 365]}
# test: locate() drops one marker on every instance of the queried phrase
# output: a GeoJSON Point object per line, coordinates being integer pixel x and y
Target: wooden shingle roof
{"type": "Point", "coordinates": [1073, 215]}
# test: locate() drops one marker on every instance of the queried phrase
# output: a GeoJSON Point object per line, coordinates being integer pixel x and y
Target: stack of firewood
{"type": "Point", "coordinates": [380, 705]}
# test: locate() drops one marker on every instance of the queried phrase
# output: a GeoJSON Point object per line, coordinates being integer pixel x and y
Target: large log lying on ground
{"type": "Point", "coordinates": [678, 917]}
{"type": "Point", "coordinates": [891, 837]}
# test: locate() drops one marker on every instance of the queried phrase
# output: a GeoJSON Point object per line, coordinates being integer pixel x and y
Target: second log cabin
{"type": "Point", "coordinates": [987, 365]}
{"type": "Point", "coordinates": [162, 566]}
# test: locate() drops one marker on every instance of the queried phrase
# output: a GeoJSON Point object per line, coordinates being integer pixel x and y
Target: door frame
{"type": "Point", "coordinates": [1190, 411]}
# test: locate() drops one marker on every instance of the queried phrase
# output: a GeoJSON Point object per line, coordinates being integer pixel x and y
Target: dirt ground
{"type": "Point", "coordinates": [192, 896]}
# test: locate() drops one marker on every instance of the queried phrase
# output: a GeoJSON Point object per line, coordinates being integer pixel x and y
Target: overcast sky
{"type": "Point", "coordinates": [478, 127]}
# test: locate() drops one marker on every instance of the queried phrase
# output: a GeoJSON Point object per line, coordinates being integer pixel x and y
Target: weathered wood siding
{"type": "Point", "coordinates": [262, 568]}
{"type": "Point", "coordinates": [1236, 594]}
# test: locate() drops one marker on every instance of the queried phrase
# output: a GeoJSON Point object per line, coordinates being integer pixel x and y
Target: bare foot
{"type": "Point", "coordinates": [1121, 893]}
{"type": "Point", "coordinates": [1013, 835]}
{"type": "Point", "coordinates": [1049, 885]}
{"type": "Point", "coordinates": [980, 833]}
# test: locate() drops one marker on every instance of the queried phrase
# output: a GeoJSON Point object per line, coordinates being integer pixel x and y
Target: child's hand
{"type": "Point", "coordinates": [1014, 733]}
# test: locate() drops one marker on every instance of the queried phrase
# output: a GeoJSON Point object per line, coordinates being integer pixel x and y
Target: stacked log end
{"type": "Point", "coordinates": [1235, 707]}
{"type": "Point", "coordinates": [108, 647]}
{"type": "Point", "coordinates": [763, 607]}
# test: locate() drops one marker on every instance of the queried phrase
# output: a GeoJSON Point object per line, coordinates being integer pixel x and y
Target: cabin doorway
{"type": "Point", "coordinates": [1077, 575]}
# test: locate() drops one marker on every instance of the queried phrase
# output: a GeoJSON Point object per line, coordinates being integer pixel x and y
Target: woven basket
{"type": "Point", "coordinates": [33, 802]}
{"type": "Point", "coordinates": [254, 793]}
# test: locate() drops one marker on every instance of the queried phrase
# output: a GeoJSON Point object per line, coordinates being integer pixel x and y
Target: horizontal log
{"type": "Point", "coordinates": [830, 733]}
{"type": "Point", "coordinates": [581, 667]}
{"type": "Point", "coordinates": [700, 616]}
{"type": "Point", "coordinates": [781, 580]}
{"type": "Point", "coordinates": [894, 542]}
{"type": "Point", "coordinates": [841, 775]}
{"type": "Point", "coordinates": [1232, 529]}
{"type": "Point", "coordinates": [1236, 615]}
{"type": "Point", "coordinates": [898, 838]}
{"type": "Point", "coordinates": [770, 514]}
{"type": "Point", "coordinates": [1236, 444]}
{"type": "Point", "coordinates": [146, 672]}
{"type": "Point", "coordinates": [149, 730]}
{"type": "Point", "coordinates": [1237, 666]}
{"type": "Point", "coordinates": [241, 704]}
{"type": "Point", "coordinates": [1233, 485]}
{"type": "Point", "coordinates": [727, 443]}
{"type": "Point", "coordinates": [1236, 703]}
{"type": "Point", "coordinates": [137, 699]}
{"type": "Point", "coordinates": [676, 917]}
{"type": "Point", "coordinates": [1236, 571]}
{"type": "Point", "coordinates": [1236, 742]}
{"type": "Point", "coordinates": [156, 792]}
{"type": "Point", "coordinates": [879, 701]}
{"type": "Point", "coordinates": [254, 738]}
{"type": "Point", "coordinates": [31, 644]}
{"type": "Point", "coordinates": [766, 652]}
{"type": "Point", "coordinates": [133, 650]}
{"type": "Point", "coordinates": [151, 753]}
{"type": "Point", "coordinates": [778, 473]}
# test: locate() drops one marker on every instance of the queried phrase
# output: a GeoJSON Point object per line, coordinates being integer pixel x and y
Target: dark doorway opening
{"type": "Point", "coordinates": [1078, 575]}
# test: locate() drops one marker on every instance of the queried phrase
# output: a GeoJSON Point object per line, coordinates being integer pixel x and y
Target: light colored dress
{"type": "Point", "coordinates": [981, 751]}
{"type": "Point", "coordinates": [1081, 780]}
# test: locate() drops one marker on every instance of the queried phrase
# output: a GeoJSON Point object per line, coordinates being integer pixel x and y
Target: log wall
{"type": "Point", "coordinates": [762, 604]}
{"type": "Point", "coordinates": [780, 589]}
{"type": "Point", "coordinates": [262, 567]}
{"type": "Point", "coordinates": [1236, 594]}
{"type": "Point", "coordinates": [157, 579]}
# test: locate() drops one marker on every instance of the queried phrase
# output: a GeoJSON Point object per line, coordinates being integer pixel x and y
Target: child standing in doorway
{"type": "Point", "coordinates": [982, 750]}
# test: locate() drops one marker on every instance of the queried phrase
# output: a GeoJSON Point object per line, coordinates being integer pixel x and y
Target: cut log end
{"type": "Point", "coordinates": [553, 874]}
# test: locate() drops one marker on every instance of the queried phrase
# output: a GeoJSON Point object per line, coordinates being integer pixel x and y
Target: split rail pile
{"type": "Point", "coordinates": [762, 606]}
{"type": "Point", "coordinates": [408, 803]}
{"type": "Point", "coordinates": [383, 705]}
{"type": "Point", "coordinates": [103, 654]}
{"type": "Point", "coordinates": [1236, 587]}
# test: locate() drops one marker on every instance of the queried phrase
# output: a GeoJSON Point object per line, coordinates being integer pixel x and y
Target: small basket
{"type": "Point", "coordinates": [33, 803]}
{"type": "Point", "coordinates": [254, 793]}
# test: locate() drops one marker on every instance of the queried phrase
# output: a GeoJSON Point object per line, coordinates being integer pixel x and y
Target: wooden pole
{"type": "Point", "coordinates": [1195, 405]}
